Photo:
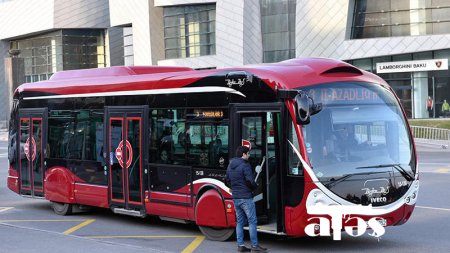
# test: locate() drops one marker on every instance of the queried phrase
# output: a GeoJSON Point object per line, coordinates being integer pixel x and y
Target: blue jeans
{"type": "Point", "coordinates": [245, 210]}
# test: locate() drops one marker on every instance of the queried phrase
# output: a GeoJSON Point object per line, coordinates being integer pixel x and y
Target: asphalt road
{"type": "Point", "coordinates": [29, 225]}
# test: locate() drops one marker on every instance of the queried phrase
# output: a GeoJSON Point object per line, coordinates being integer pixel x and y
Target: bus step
{"type": "Point", "coordinates": [173, 220]}
{"type": "Point", "coordinates": [129, 212]}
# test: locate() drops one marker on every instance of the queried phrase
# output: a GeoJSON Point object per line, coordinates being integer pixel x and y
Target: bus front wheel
{"type": "Point", "coordinates": [217, 234]}
{"type": "Point", "coordinates": [62, 208]}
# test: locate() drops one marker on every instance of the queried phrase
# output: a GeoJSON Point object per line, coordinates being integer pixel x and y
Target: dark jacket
{"type": "Point", "coordinates": [240, 178]}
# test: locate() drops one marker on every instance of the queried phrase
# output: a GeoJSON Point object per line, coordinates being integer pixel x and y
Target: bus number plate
{"type": "Point", "coordinates": [381, 221]}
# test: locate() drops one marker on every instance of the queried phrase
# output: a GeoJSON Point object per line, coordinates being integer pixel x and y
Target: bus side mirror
{"type": "Point", "coordinates": [302, 108]}
{"type": "Point", "coordinates": [304, 104]}
{"type": "Point", "coordinates": [305, 108]}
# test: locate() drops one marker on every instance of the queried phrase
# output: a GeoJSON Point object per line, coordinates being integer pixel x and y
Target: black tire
{"type": "Point", "coordinates": [62, 208]}
{"type": "Point", "coordinates": [217, 234]}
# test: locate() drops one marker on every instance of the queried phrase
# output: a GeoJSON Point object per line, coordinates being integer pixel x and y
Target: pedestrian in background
{"type": "Point", "coordinates": [430, 105]}
{"type": "Point", "coordinates": [240, 177]}
{"type": "Point", "coordinates": [445, 108]}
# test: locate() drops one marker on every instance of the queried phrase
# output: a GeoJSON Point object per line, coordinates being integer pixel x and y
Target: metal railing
{"type": "Point", "coordinates": [431, 133]}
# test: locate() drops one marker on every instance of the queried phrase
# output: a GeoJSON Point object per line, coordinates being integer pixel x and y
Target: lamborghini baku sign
{"type": "Point", "coordinates": [412, 66]}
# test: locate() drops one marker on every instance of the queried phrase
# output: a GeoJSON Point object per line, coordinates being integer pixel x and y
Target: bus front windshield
{"type": "Point", "coordinates": [361, 129]}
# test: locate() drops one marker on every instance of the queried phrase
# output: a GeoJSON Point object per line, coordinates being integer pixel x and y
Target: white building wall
{"type": "Point", "coordinates": [253, 49]}
{"type": "Point", "coordinates": [21, 17]}
{"type": "Point", "coordinates": [137, 14]}
{"type": "Point", "coordinates": [181, 2]}
{"type": "Point", "coordinates": [322, 30]}
{"type": "Point", "coordinates": [81, 13]}
{"type": "Point", "coordinates": [24, 17]}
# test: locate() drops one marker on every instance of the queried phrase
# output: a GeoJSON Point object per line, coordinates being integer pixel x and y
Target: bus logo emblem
{"type": "Point", "coordinates": [120, 155]}
{"type": "Point", "coordinates": [246, 143]}
{"type": "Point", "coordinates": [26, 149]}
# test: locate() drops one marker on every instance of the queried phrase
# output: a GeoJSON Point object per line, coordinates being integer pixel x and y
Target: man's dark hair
{"type": "Point", "coordinates": [241, 150]}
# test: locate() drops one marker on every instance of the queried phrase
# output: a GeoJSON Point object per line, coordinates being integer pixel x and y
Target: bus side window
{"type": "Point", "coordinates": [166, 146]}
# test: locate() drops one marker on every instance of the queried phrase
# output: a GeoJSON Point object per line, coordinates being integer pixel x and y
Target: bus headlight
{"type": "Point", "coordinates": [316, 196]}
{"type": "Point", "coordinates": [411, 198]}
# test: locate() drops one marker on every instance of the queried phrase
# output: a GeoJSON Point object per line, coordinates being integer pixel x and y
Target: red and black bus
{"type": "Point", "coordinates": [157, 141]}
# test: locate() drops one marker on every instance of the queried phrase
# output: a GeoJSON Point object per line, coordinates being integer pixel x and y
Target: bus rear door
{"type": "Point", "coordinates": [257, 125]}
{"type": "Point", "coordinates": [125, 135]}
{"type": "Point", "coordinates": [32, 148]}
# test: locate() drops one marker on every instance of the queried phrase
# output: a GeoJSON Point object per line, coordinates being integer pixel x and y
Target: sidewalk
{"type": "Point", "coordinates": [437, 143]}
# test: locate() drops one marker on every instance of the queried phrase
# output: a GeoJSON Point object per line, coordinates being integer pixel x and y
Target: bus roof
{"type": "Point", "coordinates": [288, 74]}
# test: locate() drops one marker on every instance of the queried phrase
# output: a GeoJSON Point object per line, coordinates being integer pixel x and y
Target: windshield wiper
{"type": "Point", "coordinates": [378, 166]}
{"type": "Point", "coordinates": [404, 173]}
{"type": "Point", "coordinates": [396, 166]}
{"type": "Point", "coordinates": [335, 181]}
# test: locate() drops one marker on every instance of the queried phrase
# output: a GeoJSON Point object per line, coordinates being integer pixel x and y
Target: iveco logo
{"type": "Point", "coordinates": [378, 200]}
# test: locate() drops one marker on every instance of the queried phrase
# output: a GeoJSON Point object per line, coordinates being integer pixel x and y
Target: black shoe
{"type": "Point", "coordinates": [258, 249]}
{"type": "Point", "coordinates": [243, 249]}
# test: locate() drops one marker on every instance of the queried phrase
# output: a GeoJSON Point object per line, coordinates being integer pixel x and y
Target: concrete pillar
{"type": "Point", "coordinates": [420, 94]}
{"type": "Point", "coordinates": [14, 76]}
{"type": "Point", "coordinates": [4, 101]}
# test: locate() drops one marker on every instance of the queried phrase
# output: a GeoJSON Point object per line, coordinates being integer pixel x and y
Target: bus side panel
{"type": "Point", "coordinates": [231, 213]}
{"type": "Point", "coordinates": [296, 218]}
{"type": "Point", "coordinates": [166, 210]}
{"type": "Point", "coordinates": [91, 195]}
{"type": "Point", "coordinates": [59, 185]}
{"type": "Point", "coordinates": [13, 180]}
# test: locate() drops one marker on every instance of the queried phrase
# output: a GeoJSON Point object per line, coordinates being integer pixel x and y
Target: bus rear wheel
{"type": "Point", "coordinates": [217, 234]}
{"type": "Point", "coordinates": [62, 208]}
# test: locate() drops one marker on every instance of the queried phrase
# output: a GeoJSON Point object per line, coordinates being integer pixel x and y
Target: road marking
{"type": "Point", "coordinates": [442, 170]}
{"type": "Point", "coordinates": [433, 172]}
{"type": "Point", "coordinates": [4, 209]}
{"type": "Point", "coordinates": [189, 249]}
{"type": "Point", "coordinates": [434, 208]}
{"type": "Point", "coordinates": [431, 164]}
{"type": "Point", "coordinates": [194, 244]}
{"type": "Point", "coordinates": [69, 231]}
{"type": "Point", "coordinates": [139, 236]}
{"type": "Point", "coordinates": [7, 221]}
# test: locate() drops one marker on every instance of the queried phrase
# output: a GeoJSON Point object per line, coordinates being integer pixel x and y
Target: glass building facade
{"type": "Point", "coordinates": [415, 88]}
{"type": "Point", "coordinates": [388, 18]}
{"type": "Point", "coordinates": [189, 31]}
{"type": "Point", "coordinates": [61, 50]}
{"type": "Point", "coordinates": [278, 29]}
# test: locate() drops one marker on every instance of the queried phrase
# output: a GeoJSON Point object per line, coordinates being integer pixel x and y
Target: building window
{"type": "Point", "coordinates": [189, 31]}
{"type": "Point", "coordinates": [388, 18]}
{"type": "Point", "coordinates": [83, 49]}
{"type": "Point", "coordinates": [128, 52]}
{"type": "Point", "coordinates": [61, 50]}
{"type": "Point", "coordinates": [39, 55]}
{"type": "Point", "coordinates": [278, 29]}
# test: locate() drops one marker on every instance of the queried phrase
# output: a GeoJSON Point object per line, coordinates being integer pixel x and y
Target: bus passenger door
{"type": "Point", "coordinates": [126, 169]}
{"type": "Point", "coordinates": [257, 126]}
{"type": "Point", "coordinates": [33, 145]}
